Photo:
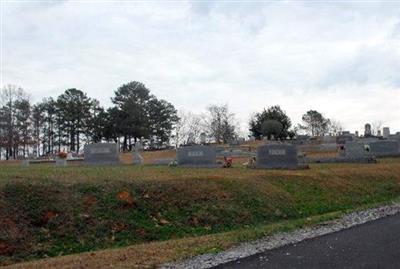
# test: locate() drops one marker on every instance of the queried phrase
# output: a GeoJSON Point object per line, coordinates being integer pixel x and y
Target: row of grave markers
{"type": "Point", "coordinates": [275, 155]}
{"type": "Point", "coordinates": [268, 156]}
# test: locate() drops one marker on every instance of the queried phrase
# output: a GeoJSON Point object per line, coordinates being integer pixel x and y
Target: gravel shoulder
{"type": "Point", "coordinates": [283, 239]}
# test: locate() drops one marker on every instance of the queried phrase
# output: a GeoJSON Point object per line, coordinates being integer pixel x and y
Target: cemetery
{"type": "Point", "coordinates": [140, 187]}
{"type": "Point", "coordinates": [197, 134]}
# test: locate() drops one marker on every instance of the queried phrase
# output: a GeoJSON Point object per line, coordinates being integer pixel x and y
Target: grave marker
{"type": "Point", "coordinates": [272, 156]}
{"type": "Point", "coordinates": [25, 162]}
{"type": "Point", "coordinates": [384, 148]}
{"type": "Point", "coordinates": [355, 150]}
{"type": "Point", "coordinates": [197, 156]}
{"type": "Point", "coordinates": [137, 157]}
{"type": "Point", "coordinates": [101, 153]}
{"type": "Point", "coordinates": [61, 162]}
{"type": "Point", "coordinates": [386, 132]}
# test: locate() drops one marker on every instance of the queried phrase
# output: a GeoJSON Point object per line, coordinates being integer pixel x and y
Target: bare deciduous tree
{"type": "Point", "coordinates": [335, 127]}
{"type": "Point", "coordinates": [376, 126]}
{"type": "Point", "coordinates": [13, 105]}
{"type": "Point", "coordinates": [188, 128]}
{"type": "Point", "coordinates": [221, 123]}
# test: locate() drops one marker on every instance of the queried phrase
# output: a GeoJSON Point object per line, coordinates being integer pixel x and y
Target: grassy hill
{"type": "Point", "coordinates": [50, 211]}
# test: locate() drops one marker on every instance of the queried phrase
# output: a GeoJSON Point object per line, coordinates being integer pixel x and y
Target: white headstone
{"type": "Point", "coordinates": [386, 132]}
{"type": "Point", "coordinates": [202, 138]}
{"type": "Point", "coordinates": [137, 157]}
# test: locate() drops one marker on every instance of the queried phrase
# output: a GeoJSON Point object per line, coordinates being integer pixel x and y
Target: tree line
{"type": "Point", "coordinates": [273, 122]}
{"type": "Point", "coordinates": [72, 119]}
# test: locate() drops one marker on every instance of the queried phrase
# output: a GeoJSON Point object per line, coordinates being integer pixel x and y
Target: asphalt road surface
{"type": "Point", "coordinates": [372, 245]}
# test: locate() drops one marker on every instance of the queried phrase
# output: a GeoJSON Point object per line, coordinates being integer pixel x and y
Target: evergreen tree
{"type": "Point", "coordinates": [272, 113]}
{"type": "Point", "coordinates": [314, 123]}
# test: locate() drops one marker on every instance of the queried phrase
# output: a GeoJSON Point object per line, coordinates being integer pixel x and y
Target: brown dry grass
{"type": "Point", "coordinates": [79, 174]}
{"type": "Point", "coordinates": [149, 156]}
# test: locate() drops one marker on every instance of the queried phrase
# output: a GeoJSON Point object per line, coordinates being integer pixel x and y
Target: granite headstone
{"type": "Point", "coordinates": [25, 162]}
{"type": "Point", "coordinates": [275, 156]}
{"type": "Point", "coordinates": [101, 153]}
{"type": "Point", "coordinates": [60, 162]}
{"type": "Point", "coordinates": [197, 156]}
{"type": "Point", "coordinates": [386, 132]}
{"type": "Point", "coordinates": [384, 148]}
{"type": "Point", "coordinates": [203, 138]}
{"type": "Point", "coordinates": [343, 139]}
{"type": "Point", "coordinates": [137, 157]}
{"type": "Point", "coordinates": [355, 150]}
{"type": "Point", "coordinates": [367, 130]}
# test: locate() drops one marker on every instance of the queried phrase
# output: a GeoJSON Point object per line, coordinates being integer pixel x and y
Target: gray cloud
{"type": "Point", "coordinates": [369, 65]}
{"type": "Point", "coordinates": [301, 55]}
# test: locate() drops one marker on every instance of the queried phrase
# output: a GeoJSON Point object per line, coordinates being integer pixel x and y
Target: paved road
{"type": "Point", "coordinates": [372, 245]}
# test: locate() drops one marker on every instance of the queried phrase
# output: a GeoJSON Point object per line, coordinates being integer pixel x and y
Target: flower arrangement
{"type": "Point", "coordinates": [62, 155]}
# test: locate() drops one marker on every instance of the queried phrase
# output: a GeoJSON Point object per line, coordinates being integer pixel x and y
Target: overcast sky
{"type": "Point", "coordinates": [342, 59]}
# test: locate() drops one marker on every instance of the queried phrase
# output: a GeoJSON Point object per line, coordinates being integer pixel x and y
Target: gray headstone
{"type": "Point", "coordinates": [367, 140]}
{"type": "Point", "coordinates": [61, 162]}
{"type": "Point", "coordinates": [395, 137]}
{"type": "Point", "coordinates": [101, 153]}
{"type": "Point", "coordinates": [137, 157]}
{"type": "Point", "coordinates": [197, 156]}
{"type": "Point", "coordinates": [273, 156]}
{"type": "Point", "coordinates": [327, 147]}
{"type": "Point", "coordinates": [25, 162]}
{"type": "Point", "coordinates": [354, 150]}
{"type": "Point", "coordinates": [219, 149]}
{"type": "Point", "coordinates": [367, 130]}
{"type": "Point", "coordinates": [384, 148]}
{"type": "Point", "coordinates": [343, 139]}
{"type": "Point", "coordinates": [203, 138]}
{"type": "Point", "coordinates": [386, 132]}
{"type": "Point", "coordinates": [329, 140]}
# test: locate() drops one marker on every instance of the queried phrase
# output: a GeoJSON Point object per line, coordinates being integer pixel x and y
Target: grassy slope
{"type": "Point", "coordinates": [150, 255]}
{"type": "Point", "coordinates": [49, 211]}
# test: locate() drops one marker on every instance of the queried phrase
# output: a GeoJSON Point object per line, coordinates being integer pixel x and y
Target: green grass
{"type": "Point", "coordinates": [48, 211]}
